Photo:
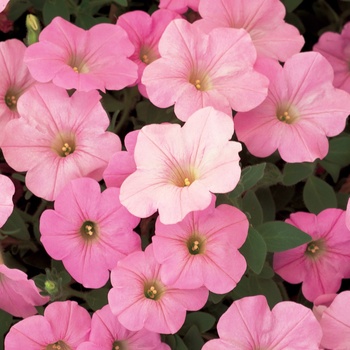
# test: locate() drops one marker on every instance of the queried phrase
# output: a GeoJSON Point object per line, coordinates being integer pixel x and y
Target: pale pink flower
{"type": "Point", "coordinates": [180, 6]}
{"type": "Point", "coordinates": [140, 299]}
{"type": "Point", "coordinates": [178, 169]}
{"type": "Point", "coordinates": [72, 57]}
{"type": "Point", "coordinates": [15, 80]}
{"type": "Point", "coordinates": [198, 70]}
{"type": "Point", "coordinates": [263, 20]}
{"type": "Point", "coordinates": [347, 215]}
{"type": "Point", "coordinates": [334, 320]}
{"type": "Point", "coordinates": [58, 138]}
{"type": "Point", "coordinates": [3, 4]}
{"type": "Point", "coordinates": [18, 295]}
{"type": "Point", "coordinates": [7, 190]}
{"type": "Point", "coordinates": [122, 163]}
{"type": "Point", "coordinates": [144, 32]}
{"type": "Point", "coordinates": [202, 249]}
{"type": "Point", "coordinates": [249, 324]}
{"type": "Point", "coordinates": [64, 326]}
{"type": "Point", "coordinates": [300, 111]}
{"type": "Point", "coordinates": [107, 333]}
{"type": "Point", "coordinates": [336, 48]}
{"type": "Point", "coordinates": [321, 264]}
{"type": "Point", "coordinates": [89, 231]}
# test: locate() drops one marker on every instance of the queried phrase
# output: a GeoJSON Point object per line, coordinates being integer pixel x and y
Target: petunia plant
{"type": "Point", "coordinates": [174, 175]}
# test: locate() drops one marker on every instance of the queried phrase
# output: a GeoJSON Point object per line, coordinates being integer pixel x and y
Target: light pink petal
{"type": "Point", "coordinates": [6, 205]}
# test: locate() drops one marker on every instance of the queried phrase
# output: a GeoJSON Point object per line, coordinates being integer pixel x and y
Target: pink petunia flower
{"type": "Point", "coordinates": [180, 6]}
{"type": "Point", "coordinates": [250, 324]}
{"type": "Point", "coordinates": [7, 190]}
{"type": "Point", "coordinates": [300, 111]}
{"type": "Point", "coordinates": [179, 168]}
{"type": "Point", "coordinates": [321, 264]}
{"type": "Point", "coordinates": [202, 249]}
{"type": "Point", "coordinates": [72, 57]}
{"type": "Point", "coordinates": [3, 4]}
{"type": "Point", "coordinates": [198, 70]}
{"type": "Point", "coordinates": [347, 215]}
{"type": "Point", "coordinates": [144, 32]}
{"type": "Point", "coordinates": [140, 299]}
{"type": "Point", "coordinates": [15, 80]}
{"type": "Point", "coordinates": [58, 138]}
{"type": "Point", "coordinates": [334, 317]}
{"type": "Point", "coordinates": [64, 326]}
{"type": "Point", "coordinates": [336, 48]}
{"type": "Point", "coordinates": [107, 333]}
{"type": "Point", "coordinates": [89, 231]}
{"type": "Point", "coordinates": [263, 20]}
{"type": "Point", "coordinates": [122, 163]}
{"type": "Point", "coordinates": [18, 295]}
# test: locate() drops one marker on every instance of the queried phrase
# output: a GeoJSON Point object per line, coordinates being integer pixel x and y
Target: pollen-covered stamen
{"type": "Point", "coordinates": [11, 101]}
{"type": "Point", "coordinates": [187, 181]}
{"type": "Point", "coordinates": [197, 84]}
{"type": "Point", "coordinates": [119, 345]}
{"type": "Point", "coordinates": [64, 144]}
{"type": "Point", "coordinates": [154, 289]}
{"type": "Point", "coordinates": [315, 249]}
{"type": "Point", "coordinates": [200, 79]}
{"type": "Point", "coordinates": [287, 113]}
{"type": "Point", "coordinates": [145, 59]}
{"type": "Point", "coordinates": [66, 149]}
{"type": "Point", "coordinates": [196, 244]}
{"type": "Point", "coordinates": [59, 345]}
{"type": "Point", "coordinates": [89, 230]}
{"type": "Point", "coordinates": [285, 117]}
{"type": "Point", "coordinates": [152, 292]}
{"type": "Point", "coordinates": [76, 70]}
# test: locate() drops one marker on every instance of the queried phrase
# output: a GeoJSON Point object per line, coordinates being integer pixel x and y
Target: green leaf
{"type": "Point", "coordinates": [267, 203]}
{"type": "Point", "coordinates": [55, 8]}
{"type": "Point", "coordinates": [252, 206]}
{"type": "Point", "coordinates": [280, 236]}
{"type": "Point", "coordinates": [272, 176]}
{"type": "Point", "coordinates": [17, 8]}
{"type": "Point", "coordinates": [339, 150]}
{"type": "Point", "coordinates": [175, 342]}
{"type": "Point", "coordinates": [251, 175]}
{"type": "Point", "coordinates": [318, 195]}
{"type": "Point", "coordinates": [332, 168]}
{"type": "Point", "coordinates": [97, 298]}
{"type": "Point", "coordinates": [6, 321]}
{"type": "Point", "coordinates": [296, 172]}
{"type": "Point", "coordinates": [254, 250]}
{"type": "Point", "coordinates": [16, 227]}
{"type": "Point", "coordinates": [202, 320]}
{"type": "Point", "coordinates": [291, 5]}
{"type": "Point", "coordinates": [193, 339]}
{"type": "Point", "coordinates": [123, 3]}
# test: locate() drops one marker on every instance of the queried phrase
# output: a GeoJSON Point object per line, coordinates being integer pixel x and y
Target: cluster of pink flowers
{"type": "Point", "coordinates": [228, 60]}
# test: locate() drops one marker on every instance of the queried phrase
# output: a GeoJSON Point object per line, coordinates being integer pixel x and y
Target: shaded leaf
{"type": "Point", "coordinates": [202, 320]}
{"type": "Point", "coordinates": [55, 8]}
{"type": "Point", "coordinates": [267, 203]}
{"type": "Point", "coordinates": [296, 172]}
{"type": "Point", "coordinates": [252, 207]}
{"type": "Point", "coordinates": [193, 339]}
{"type": "Point", "coordinates": [97, 298]}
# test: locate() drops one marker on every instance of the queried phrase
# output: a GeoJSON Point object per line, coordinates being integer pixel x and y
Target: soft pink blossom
{"type": "Point", "coordinates": [180, 6]}
{"type": "Point", "coordinates": [72, 57]}
{"type": "Point", "coordinates": [250, 324]}
{"type": "Point", "coordinates": [140, 299]}
{"type": "Point", "coordinates": [15, 80]}
{"type": "Point", "coordinates": [7, 190]}
{"type": "Point", "coordinates": [122, 163]}
{"type": "Point", "coordinates": [64, 326]}
{"type": "Point", "coordinates": [302, 108]}
{"type": "Point", "coordinates": [18, 295]}
{"type": "Point", "coordinates": [3, 4]}
{"type": "Point", "coordinates": [178, 169]}
{"type": "Point", "coordinates": [198, 70]}
{"type": "Point", "coordinates": [107, 333]}
{"type": "Point", "coordinates": [89, 231]}
{"type": "Point", "coordinates": [58, 138]}
{"type": "Point", "coordinates": [144, 32]}
{"type": "Point", "coordinates": [321, 264]}
{"type": "Point", "coordinates": [202, 249]}
{"type": "Point", "coordinates": [334, 320]}
{"type": "Point", "coordinates": [263, 20]}
{"type": "Point", "coordinates": [336, 48]}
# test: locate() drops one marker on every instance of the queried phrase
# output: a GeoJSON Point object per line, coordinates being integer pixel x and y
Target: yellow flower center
{"type": "Point", "coordinates": [154, 290]}
{"type": "Point", "coordinates": [76, 70]}
{"type": "Point", "coordinates": [200, 79]}
{"type": "Point", "coordinates": [315, 249]}
{"type": "Point", "coordinates": [287, 113]}
{"type": "Point", "coordinates": [145, 59]}
{"type": "Point", "coordinates": [119, 345]}
{"type": "Point", "coordinates": [59, 345]}
{"type": "Point", "coordinates": [187, 181]}
{"type": "Point", "coordinates": [196, 244]}
{"type": "Point", "coordinates": [89, 230]}
{"type": "Point", "coordinates": [11, 101]}
{"type": "Point", "coordinates": [64, 144]}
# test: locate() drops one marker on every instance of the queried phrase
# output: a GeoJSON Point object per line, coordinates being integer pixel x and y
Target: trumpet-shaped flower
{"type": "Point", "coordinates": [144, 32]}
{"type": "Point", "coordinates": [250, 324]}
{"type": "Point", "coordinates": [300, 111]}
{"type": "Point", "coordinates": [72, 57]}
{"type": "Point", "coordinates": [198, 70]}
{"type": "Point", "coordinates": [202, 249]}
{"type": "Point", "coordinates": [336, 48]}
{"type": "Point", "coordinates": [263, 20]}
{"type": "Point", "coordinates": [178, 169]}
{"type": "Point", "coordinates": [107, 333]}
{"type": "Point", "coordinates": [321, 264]}
{"type": "Point", "coordinates": [141, 299]}
{"type": "Point", "coordinates": [63, 327]}
{"type": "Point", "coordinates": [15, 80]}
{"type": "Point", "coordinates": [89, 231]}
{"type": "Point", "coordinates": [58, 138]}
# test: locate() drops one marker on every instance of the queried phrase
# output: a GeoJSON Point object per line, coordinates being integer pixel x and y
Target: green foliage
{"type": "Point", "coordinates": [202, 320]}
{"type": "Point", "coordinates": [5, 323]}
{"type": "Point", "coordinates": [15, 227]}
{"type": "Point", "coordinates": [97, 298]}
{"type": "Point", "coordinates": [193, 339]}
{"type": "Point", "coordinates": [251, 206]}
{"type": "Point", "coordinates": [54, 8]}
{"type": "Point", "coordinates": [291, 5]}
{"type": "Point", "coordinates": [296, 172]}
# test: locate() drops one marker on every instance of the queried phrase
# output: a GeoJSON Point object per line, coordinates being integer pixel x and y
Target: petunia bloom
{"type": "Point", "coordinates": [180, 6]}
{"type": "Point", "coordinates": [140, 299]}
{"type": "Point", "coordinates": [336, 48]}
{"type": "Point", "coordinates": [263, 20]}
{"type": "Point", "coordinates": [107, 333]}
{"type": "Point", "coordinates": [3, 4]}
{"type": "Point", "coordinates": [7, 190]}
{"type": "Point", "coordinates": [321, 264]}
{"type": "Point", "coordinates": [72, 57]}
{"type": "Point", "coordinates": [15, 80]}
{"type": "Point", "coordinates": [178, 169]}
{"type": "Point", "coordinates": [300, 111]}
{"type": "Point", "coordinates": [197, 70]}
{"type": "Point", "coordinates": [334, 320]}
{"type": "Point", "coordinates": [89, 231]}
{"type": "Point", "coordinates": [144, 32]}
{"type": "Point", "coordinates": [64, 326]}
{"type": "Point", "coordinates": [202, 249]}
{"type": "Point", "coordinates": [58, 138]}
{"type": "Point", "coordinates": [250, 324]}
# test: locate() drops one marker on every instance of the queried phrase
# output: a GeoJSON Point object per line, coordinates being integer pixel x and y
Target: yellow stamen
{"type": "Point", "coordinates": [197, 84]}
{"type": "Point", "coordinates": [76, 70]}
{"type": "Point", "coordinates": [187, 181]}
{"type": "Point", "coordinates": [313, 248]}
{"type": "Point", "coordinates": [11, 100]}
{"type": "Point", "coordinates": [66, 149]}
{"type": "Point", "coordinates": [285, 117]}
{"type": "Point", "coordinates": [152, 292]}
{"type": "Point", "coordinates": [89, 230]}
{"type": "Point", "coordinates": [145, 59]}
{"type": "Point", "coordinates": [195, 246]}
